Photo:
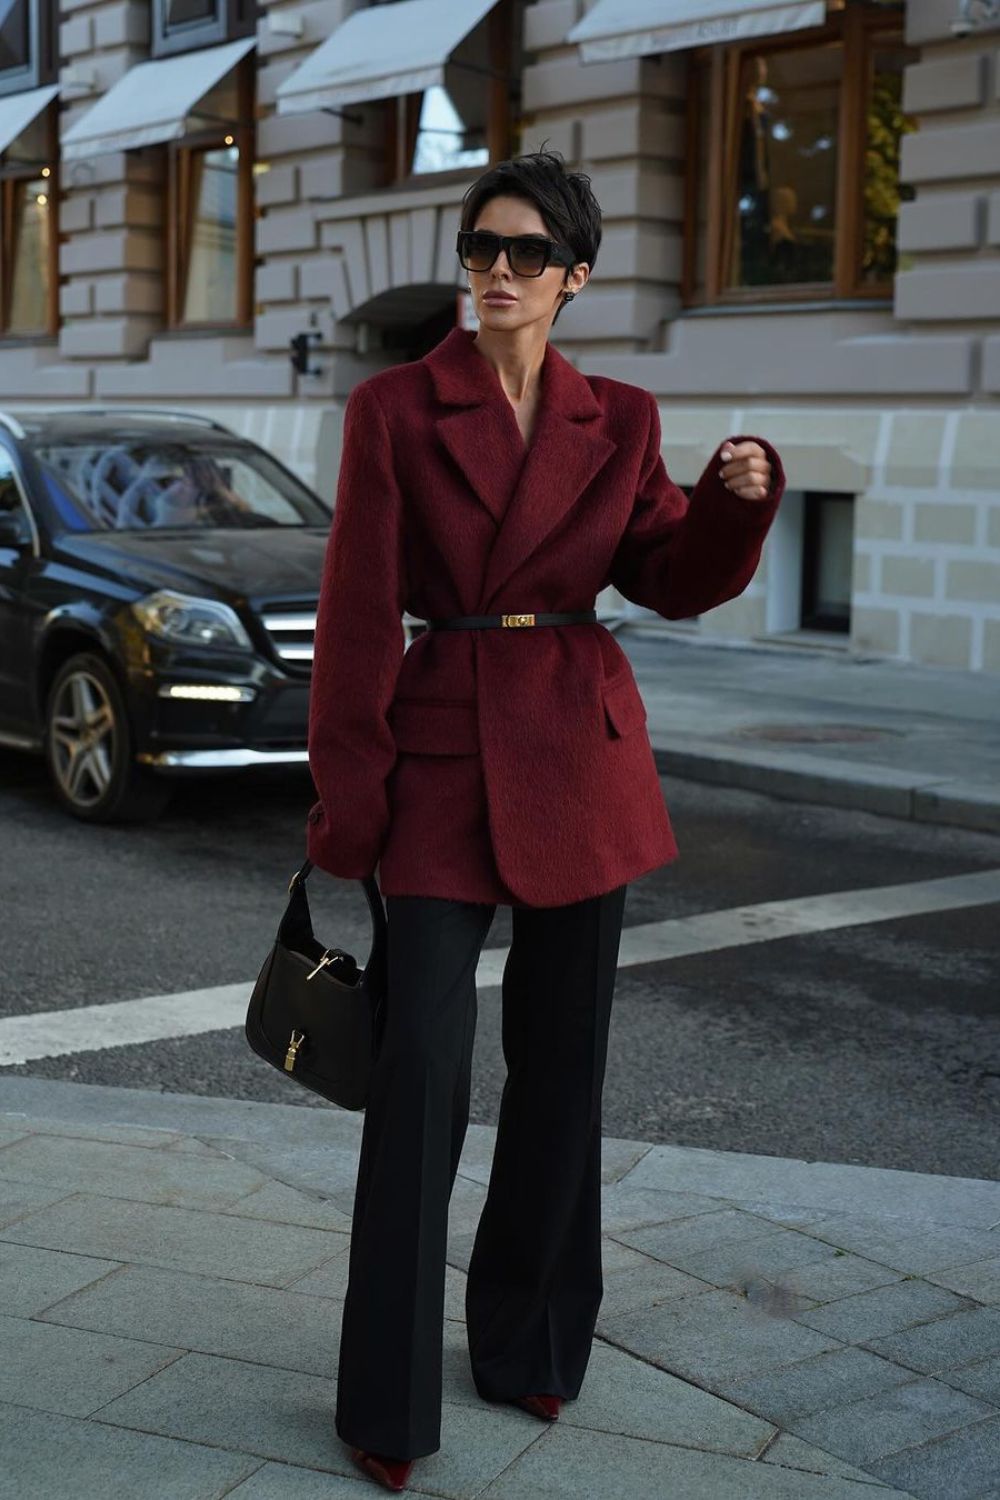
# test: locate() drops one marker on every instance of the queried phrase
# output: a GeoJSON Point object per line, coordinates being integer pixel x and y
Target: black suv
{"type": "Point", "coordinates": [158, 586]}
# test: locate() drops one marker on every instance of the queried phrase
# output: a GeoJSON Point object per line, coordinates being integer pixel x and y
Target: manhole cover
{"type": "Point", "coordinates": [815, 734]}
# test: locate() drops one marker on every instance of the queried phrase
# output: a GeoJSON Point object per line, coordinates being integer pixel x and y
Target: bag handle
{"type": "Point", "coordinates": [375, 968]}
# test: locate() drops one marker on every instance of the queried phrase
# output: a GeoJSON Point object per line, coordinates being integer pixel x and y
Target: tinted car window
{"type": "Point", "coordinates": [143, 484]}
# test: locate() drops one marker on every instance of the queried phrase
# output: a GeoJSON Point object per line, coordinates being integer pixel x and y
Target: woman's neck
{"type": "Point", "coordinates": [517, 357]}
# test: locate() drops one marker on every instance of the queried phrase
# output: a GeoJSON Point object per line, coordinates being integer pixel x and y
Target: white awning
{"type": "Point", "coordinates": [614, 29]}
{"type": "Point", "coordinates": [381, 52]}
{"type": "Point", "coordinates": [154, 101]}
{"type": "Point", "coordinates": [18, 111]}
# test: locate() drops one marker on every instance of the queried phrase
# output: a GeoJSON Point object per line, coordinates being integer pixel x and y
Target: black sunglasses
{"type": "Point", "coordinates": [528, 254]}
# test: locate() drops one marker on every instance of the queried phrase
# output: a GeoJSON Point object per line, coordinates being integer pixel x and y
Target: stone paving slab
{"type": "Point", "coordinates": [69, 1371]}
{"type": "Point", "coordinates": [695, 1388]}
{"type": "Point", "coordinates": [965, 1465]}
{"type": "Point", "coordinates": [32, 1279]}
{"type": "Point", "coordinates": [175, 1238]}
{"type": "Point", "coordinates": [58, 1456]}
{"type": "Point", "coordinates": [255, 1323]}
{"type": "Point", "coordinates": [568, 1462]}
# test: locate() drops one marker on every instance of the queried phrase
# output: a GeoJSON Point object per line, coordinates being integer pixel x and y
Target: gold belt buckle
{"type": "Point", "coordinates": [518, 619]}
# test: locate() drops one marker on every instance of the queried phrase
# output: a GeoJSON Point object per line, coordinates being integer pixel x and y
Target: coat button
{"type": "Point", "coordinates": [315, 815]}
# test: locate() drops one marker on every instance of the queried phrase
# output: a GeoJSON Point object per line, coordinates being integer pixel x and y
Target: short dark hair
{"type": "Point", "coordinates": [564, 199]}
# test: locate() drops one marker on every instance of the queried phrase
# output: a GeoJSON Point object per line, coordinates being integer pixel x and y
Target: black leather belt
{"type": "Point", "coordinates": [480, 622]}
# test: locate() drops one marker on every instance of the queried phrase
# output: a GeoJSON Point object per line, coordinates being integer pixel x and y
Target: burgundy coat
{"type": "Point", "coordinates": [508, 765]}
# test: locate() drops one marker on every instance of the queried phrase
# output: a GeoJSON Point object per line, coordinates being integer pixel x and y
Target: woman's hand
{"type": "Point", "coordinates": [746, 470]}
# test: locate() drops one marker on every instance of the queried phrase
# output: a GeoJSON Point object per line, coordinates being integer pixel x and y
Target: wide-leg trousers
{"type": "Point", "coordinates": [534, 1282]}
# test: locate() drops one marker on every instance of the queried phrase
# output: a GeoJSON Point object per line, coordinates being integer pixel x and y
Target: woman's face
{"type": "Point", "coordinates": [536, 299]}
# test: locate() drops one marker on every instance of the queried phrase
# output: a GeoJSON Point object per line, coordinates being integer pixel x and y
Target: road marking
{"type": "Point", "coordinates": [121, 1023]}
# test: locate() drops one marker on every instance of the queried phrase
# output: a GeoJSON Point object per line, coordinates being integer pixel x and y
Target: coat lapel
{"type": "Point", "coordinates": [528, 492]}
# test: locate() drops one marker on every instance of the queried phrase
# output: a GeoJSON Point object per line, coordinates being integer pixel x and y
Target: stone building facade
{"type": "Point", "coordinates": [846, 305]}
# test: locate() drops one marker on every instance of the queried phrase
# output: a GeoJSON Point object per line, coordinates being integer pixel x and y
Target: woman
{"type": "Point", "coordinates": [493, 490]}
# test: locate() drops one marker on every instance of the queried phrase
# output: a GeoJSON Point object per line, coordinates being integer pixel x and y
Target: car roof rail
{"type": "Point", "coordinates": [164, 413]}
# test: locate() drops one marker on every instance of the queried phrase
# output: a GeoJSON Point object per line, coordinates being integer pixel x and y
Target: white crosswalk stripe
{"type": "Point", "coordinates": [92, 1028]}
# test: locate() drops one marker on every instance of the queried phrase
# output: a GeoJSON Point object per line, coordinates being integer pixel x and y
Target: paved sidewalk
{"type": "Point", "coordinates": [172, 1269]}
{"type": "Point", "coordinates": [822, 726]}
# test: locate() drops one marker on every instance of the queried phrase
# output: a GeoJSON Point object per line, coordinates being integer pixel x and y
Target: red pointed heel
{"type": "Point", "coordinates": [390, 1472]}
{"type": "Point", "coordinates": [546, 1407]}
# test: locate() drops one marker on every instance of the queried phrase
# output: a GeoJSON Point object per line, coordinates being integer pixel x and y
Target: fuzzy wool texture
{"type": "Point", "coordinates": [503, 765]}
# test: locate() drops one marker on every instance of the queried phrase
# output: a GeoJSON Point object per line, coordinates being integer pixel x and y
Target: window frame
{"type": "Point", "coordinates": [860, 32]}
{"type": "Point", "coordinates": [11, 173]}
{"type": "Point", "coordinates": [235, 18]}
{"type": "Point", "coordinates": [177, 227]}
{"type": "Point", "coordinates": [401, 113]}
{"type": "Point", "coordinates": [42, 66]}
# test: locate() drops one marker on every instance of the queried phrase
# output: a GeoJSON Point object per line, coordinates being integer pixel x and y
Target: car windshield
{"type": "Point", "coordinates": [159, 483]}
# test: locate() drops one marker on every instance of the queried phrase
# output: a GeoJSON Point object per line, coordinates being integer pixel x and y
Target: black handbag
{"type": "Point", "coordinates": [314, 1013]}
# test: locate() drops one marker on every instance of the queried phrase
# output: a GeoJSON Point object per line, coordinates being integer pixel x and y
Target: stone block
{"type": "Point", "coordinates": [561, 81]}
{"type": "Point", "coordinates": [941, 640]}
{"type": "Point", "coordinates": [981, 1379]}
{"type": "Point", "coordinates": [977, 452]}
{"type": "Point", "coordinates": [273, 329]}
{"type": "Point", "coordinates": [286, 229]}
{"type": "Point", "coordinates": [128, 294]}
{"type": "Point", "coordinates": [993, 219]}
{"type": "Point", "coordinates": [929, 21]}
{"type": "Point", "coordinates": [76, 299]}
{"type": "Point", "coordinates": [991, 645]}
{"type": "Point", "coordinates": [547, 22]}
{"type": "Point", "coordinates": [940, 221]}
{"type": "Point", "coordinates": [934, 522]}
{"type": "Point", "coordinates": [978, 581]}
{"type": "Point", "coordinates": [76, 213]}
{"type": "Point", "coordinates": [277, 281]}
{"type": "Point", "coordinates": [322, 177]}
{"type": "Point", "coordinates": [278, 185]}
{"type": "Point", "coordinates": [76, 36]}
{"type": "Point", "coordinates": [949, 292]}
{"type": "Point", "coordinates": [911, 576]}
{"type": "Point", "coordinates": [111, 250]}
{"type": "Point", "coordinates": [957, 82]}
{"type": "Point", "coordinates": [878, 520]}
{"type": "Point", "coordinates": [122, 26]}
{"type": "Point", "coordinates": [106, 338]}
{"type": "Point", "coordinates": [942, 153]}
{"type": "Point", "coordinates": [129, 205]}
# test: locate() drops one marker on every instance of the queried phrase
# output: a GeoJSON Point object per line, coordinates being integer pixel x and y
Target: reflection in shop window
{"type": "Point", "coordinates": [211, 285]}
{"type": "Point", "coordinates": [27, 51]}
{"type": "Point", "coordinates": [31, 258]}
{"type": "Point", "coordinates": [444, 139]}
{"type": "Point", "coordinates": [181, 25]}
{"type": "Point", "coordinates": [793, 162]}
{"type": "Point", "coordinates": [14, 23]}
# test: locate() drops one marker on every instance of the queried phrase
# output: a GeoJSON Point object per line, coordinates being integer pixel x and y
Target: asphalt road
{"type": "Point", "coordinates": [877, 1043]}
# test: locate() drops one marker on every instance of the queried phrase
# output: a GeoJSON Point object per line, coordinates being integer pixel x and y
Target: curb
{"type": "Point", "coordinates": [857, 785]}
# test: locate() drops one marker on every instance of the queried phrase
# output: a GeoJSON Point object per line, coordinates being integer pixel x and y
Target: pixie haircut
{"type": "Point", "coordinates": [564, 200]}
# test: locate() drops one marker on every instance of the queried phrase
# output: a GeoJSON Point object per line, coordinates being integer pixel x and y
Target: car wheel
{"type": "Point", "coordinates": [88, 746]}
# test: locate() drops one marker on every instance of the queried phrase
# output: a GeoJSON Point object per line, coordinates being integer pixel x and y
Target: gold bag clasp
{"type": "Point", "coordinates": [294, 1043]}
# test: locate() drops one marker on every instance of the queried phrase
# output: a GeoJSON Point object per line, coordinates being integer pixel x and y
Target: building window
{"type": "Point", "coordinates": [827, 557]}
{"type": "Point", "coordinates": [180, 25]}
{"type": "Point", "coordinates": [29, 193]}
{"type": "Point", "coordinates": [793, 165]}
{"type": "Point", "coordinates": [471, 119]}
{"type": "Point", "coordinates": [210, 227]}
{"type": "Point", "coordinates": [27, 50]}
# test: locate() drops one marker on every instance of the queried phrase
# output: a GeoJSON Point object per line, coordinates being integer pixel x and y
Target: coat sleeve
{"type": "Point", "coordinates": [681, 557]}
{"type": "Point", "coordinates": [358, 650]}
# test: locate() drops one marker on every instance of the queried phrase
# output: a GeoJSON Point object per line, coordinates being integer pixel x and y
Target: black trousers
{"type": "Point", "coordinates": [534, 1280]}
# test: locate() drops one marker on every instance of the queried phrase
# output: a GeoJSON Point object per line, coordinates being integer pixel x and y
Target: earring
{"type": "Point", "coordinates": [568, 296]}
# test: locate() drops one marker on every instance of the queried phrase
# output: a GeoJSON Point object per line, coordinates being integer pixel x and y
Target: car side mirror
{"type": "Point", "coordinates": [14, 531]}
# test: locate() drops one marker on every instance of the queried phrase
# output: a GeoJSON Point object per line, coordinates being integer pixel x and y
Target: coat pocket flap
{"type": "Point", "coordinates": [623, 704]}
{"type": "Point", "coordinates": [424, 727]}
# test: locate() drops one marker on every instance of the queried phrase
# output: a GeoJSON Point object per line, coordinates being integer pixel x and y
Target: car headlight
{"type": "Point", "coordinates": [191, 621]}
